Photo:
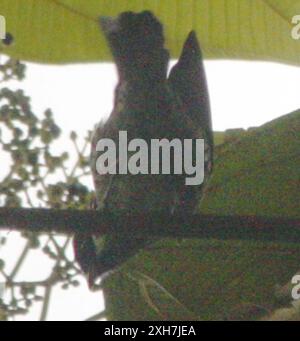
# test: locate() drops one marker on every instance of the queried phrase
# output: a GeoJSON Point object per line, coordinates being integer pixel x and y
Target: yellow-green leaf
{"type": "Point", "coordinates": [59, 31]}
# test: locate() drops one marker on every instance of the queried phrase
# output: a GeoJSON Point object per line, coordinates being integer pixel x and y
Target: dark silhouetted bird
{"type": "Point", "coordinates": [148, 105]}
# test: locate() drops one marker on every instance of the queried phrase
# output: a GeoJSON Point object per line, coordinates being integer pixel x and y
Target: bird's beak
{"type": "Point", "coordinates": [109, 25]}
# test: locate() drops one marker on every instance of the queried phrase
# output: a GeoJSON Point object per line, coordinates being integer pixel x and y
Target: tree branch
{"type": "Point", "coordinates": [46, 303]}
{"type": "Point", "coordinates": [155, 224]}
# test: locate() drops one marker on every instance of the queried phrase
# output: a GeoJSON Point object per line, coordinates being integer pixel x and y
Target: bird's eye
{"type": "Point", "coordinates": [8, 40]}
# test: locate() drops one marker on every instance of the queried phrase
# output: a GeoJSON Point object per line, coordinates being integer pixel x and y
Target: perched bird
{"type": "Point", "coordinates": [148, 105]}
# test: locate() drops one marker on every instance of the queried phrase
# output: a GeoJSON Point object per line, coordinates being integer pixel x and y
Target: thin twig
{"type": "Point", "coordinates": [20, 261]}
{"type": "Point", "coordinates": [76, 165]}
{"type": "Point", "coordinates": [26, 284]}
{"type": "Point", "coordinates": [46, 302]}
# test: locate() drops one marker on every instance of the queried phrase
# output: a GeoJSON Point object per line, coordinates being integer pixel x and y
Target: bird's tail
{"type": "Point", "coordinates": [99, 256]}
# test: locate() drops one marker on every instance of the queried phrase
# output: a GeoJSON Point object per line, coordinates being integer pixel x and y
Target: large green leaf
{"type": "Point", "coordinates": [259, 173]}
{"type": "Point", "coordinates": [56, 31]}
{"type": "Point", "coordinates": [203, 279]}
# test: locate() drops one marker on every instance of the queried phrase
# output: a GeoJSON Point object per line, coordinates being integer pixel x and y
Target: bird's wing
{"type": "Point", "coordinates": [188, 81]}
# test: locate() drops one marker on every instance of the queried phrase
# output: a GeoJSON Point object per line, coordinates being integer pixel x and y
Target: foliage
{"type": "Point", "coordinates": [256, 29]}
{"type": "Point", "coordinates": [257, 172]}
{"type": "Point", "coordinates": [37, 176]}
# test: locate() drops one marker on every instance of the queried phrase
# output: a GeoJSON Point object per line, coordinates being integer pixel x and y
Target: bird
{"type": "Point", "coordinates": [150, 103]}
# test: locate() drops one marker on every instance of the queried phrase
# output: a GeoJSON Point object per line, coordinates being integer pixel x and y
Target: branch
{"type": "Point", "coordinates": [20, 262]}
{"type": "Point", "coordinates": [276, 229]}
{"type": "Point", "coordinates": [46, 302]}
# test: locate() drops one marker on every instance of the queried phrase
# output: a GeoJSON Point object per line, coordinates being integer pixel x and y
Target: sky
{"type": "Point", "coordinates": [243, 94]}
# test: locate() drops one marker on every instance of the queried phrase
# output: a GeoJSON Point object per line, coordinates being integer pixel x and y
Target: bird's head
{"type": "Point", "coordinates": [137, 43]}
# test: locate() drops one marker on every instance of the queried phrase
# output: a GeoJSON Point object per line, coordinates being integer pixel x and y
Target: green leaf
{"type": "Point", "coordinates": [259, 173]}
{"type": "Point", "coordinates": [60, 31]}
{"type": "Point", "coordinates": [216, 280]}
